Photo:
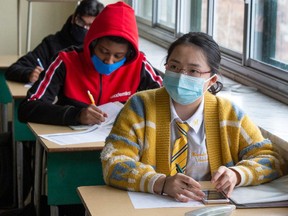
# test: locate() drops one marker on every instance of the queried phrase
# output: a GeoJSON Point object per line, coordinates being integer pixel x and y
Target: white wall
{"type": "Point", "coordinates": [47, 18]}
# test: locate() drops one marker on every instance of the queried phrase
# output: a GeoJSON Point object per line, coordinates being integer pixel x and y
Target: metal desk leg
{"type": "Point", "coordinates": [19, 149]}
{"type": "Point", "coordinates": [4, 117]}
{"type": "Point", "coordinates": [54, 211]}
{"type": "Point", "coordinates": [15, 162]}
{"type": "Point", "coordinates": [37, 178]}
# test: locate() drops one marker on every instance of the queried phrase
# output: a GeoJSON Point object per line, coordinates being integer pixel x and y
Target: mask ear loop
{"type": "Point", "coordinates": [208, 81]}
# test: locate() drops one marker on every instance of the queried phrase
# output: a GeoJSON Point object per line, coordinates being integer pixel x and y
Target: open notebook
{"type": "Point", "coordinates": [272, 194]}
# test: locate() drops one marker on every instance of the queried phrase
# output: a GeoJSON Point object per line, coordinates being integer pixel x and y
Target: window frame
{"type": "Point", "coordinates": [239, 67]}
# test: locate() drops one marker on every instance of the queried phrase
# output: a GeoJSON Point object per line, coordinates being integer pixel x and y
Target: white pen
{"type": "Point", "coordinates": [39, 62]}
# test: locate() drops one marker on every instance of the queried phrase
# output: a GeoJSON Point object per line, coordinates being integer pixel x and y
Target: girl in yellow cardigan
{"type": "Point", "coordinates": [222, 144]}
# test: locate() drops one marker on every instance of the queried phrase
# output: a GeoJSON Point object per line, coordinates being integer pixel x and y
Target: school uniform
{"type": "Point", "coordinates": [138, 150]}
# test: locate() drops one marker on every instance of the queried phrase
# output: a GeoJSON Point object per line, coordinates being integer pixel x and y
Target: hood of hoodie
{"type": "Point", "coordinates": [116, 19]}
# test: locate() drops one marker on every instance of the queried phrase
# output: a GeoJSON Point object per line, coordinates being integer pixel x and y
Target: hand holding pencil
{"type": "Point", "coordinates": [91, 97]}
{"type": "Point", "coordinates": [34, 75]}
{"type": "Point", "coordinates": [92, 114]}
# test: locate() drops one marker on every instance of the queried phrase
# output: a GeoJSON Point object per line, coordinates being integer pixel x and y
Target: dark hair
{"type": "Point", "coordinates": [131, 51]}
{"type": "Point", "coordinates": [88, 8]}
{"type": "Point", "coordinates": [210, 49]}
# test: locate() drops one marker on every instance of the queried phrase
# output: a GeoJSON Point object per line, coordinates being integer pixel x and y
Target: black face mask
{"type": "Point", "coordinates": [78, 33]}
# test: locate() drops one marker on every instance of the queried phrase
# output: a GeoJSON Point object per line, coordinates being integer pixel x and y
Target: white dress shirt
{"type": "Point", "coordinates": [197, 161]}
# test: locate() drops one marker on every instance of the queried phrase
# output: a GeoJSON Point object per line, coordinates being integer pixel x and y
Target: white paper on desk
{"type": "Point", "coordinates": [276, 190]}
{"type": "Point", "coordinates": [94, 134]}
{"type": "Point", "coordinates": [28, 85]}
{"type": "Point", "coordinates": [146, 200]}
{"type": "Point", "coordinates": [112, 109]}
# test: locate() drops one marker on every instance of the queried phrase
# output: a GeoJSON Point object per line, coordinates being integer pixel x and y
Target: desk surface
{"type": "Point", "coordinates": [105, 200]}
{"type": "Point", "coordinates": [17, 90]}
{"type": "Point", "coordinates": [7, 60]}
{"type": "Point", "coordinates": [40, 129]}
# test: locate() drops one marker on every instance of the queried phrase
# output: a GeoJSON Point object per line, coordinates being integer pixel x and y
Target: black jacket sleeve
{"type": "Point", "coordinates": [21, 69]}
{"type": "Point", "coordinates": [49, 108]}
{"type": "Point", "coordinates": [151, 78]}
{"type": "Point", "coordinates": [45, 51]}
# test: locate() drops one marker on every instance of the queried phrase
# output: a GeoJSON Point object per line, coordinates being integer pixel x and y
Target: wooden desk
{"type": "Point", "coordinates": [105, 200]}
{"type": "Point", "coordinates": [20, 133]}
{"type": "Point", "coordinates": [20, 130]}
{"type": "Point", "coordinates": [5, 96]}
{"type": "Point", "coordinates": [68, 167]}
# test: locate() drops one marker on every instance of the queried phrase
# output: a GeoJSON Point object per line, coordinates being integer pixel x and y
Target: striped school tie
{"type": "Point", "coordinates": [180, 149]}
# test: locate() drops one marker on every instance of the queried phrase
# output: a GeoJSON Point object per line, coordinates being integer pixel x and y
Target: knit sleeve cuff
{"type": "Point", "coordinates": [71, 115]}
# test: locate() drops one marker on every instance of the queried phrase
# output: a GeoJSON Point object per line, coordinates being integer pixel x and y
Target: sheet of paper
{"type": "Point", "coordinates": [94, 134]}
{"type": "Point", "coordinates": [112, 109]}
{"type": "Point", "coordinates": [276, 190]}
{"type": "Point", "coordinates": [146, 200]}
{"type": "Point", "coordinates": [28, 85]}
{"type": "Point", "coordinates": [80, 127]}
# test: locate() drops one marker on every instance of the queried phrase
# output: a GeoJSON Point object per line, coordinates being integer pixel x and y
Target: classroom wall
{"type": "Point", "coordinates": [47, 18]}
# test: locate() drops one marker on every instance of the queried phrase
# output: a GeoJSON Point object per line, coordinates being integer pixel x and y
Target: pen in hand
{"type": "Point", "coordinates": [91, 97]}
{"type": "Point", "coordinates": [192, 187]}
{"type": "Point", "coordinates": [40, 63]}
{"type": "Point", "coordinates": [179, 169]}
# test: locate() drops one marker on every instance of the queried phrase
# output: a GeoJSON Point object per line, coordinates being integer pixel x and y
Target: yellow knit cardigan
{"type": "Point", "coordinates": [137, 151]}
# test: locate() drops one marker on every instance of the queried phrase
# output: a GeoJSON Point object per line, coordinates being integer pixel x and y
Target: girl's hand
{"type": "Point", "coordinates": [183, 188]}
{"type": "Point", "coordinates": [225, 180]}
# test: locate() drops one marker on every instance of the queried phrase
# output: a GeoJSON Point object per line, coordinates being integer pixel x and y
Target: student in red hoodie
{"type": "Point", "coordinates": [109, 65]}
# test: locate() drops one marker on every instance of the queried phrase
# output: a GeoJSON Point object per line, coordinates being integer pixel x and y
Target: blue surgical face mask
{"type": "Point", "coordinates": [106, 69]}
{"type": "Point", "coordinates": [182, 88]}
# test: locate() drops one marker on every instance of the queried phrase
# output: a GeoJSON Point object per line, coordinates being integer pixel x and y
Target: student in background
{"type": "Point", "coordinates": [220, 143]}
{"type": "Point", "coordinates": [109, 65]}
{"type": "Point", "coordinates": [28, 68]}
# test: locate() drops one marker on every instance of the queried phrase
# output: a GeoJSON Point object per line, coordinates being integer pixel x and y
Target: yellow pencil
{"type": "Point", "coordinates": [91, 97]}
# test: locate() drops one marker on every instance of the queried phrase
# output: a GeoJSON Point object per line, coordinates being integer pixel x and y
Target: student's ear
{"type": "Point", "coordinates": [213, 80]}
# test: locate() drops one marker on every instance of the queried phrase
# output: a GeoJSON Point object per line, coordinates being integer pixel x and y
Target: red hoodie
{"type": "Point", "coordinates": [72, 73]}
